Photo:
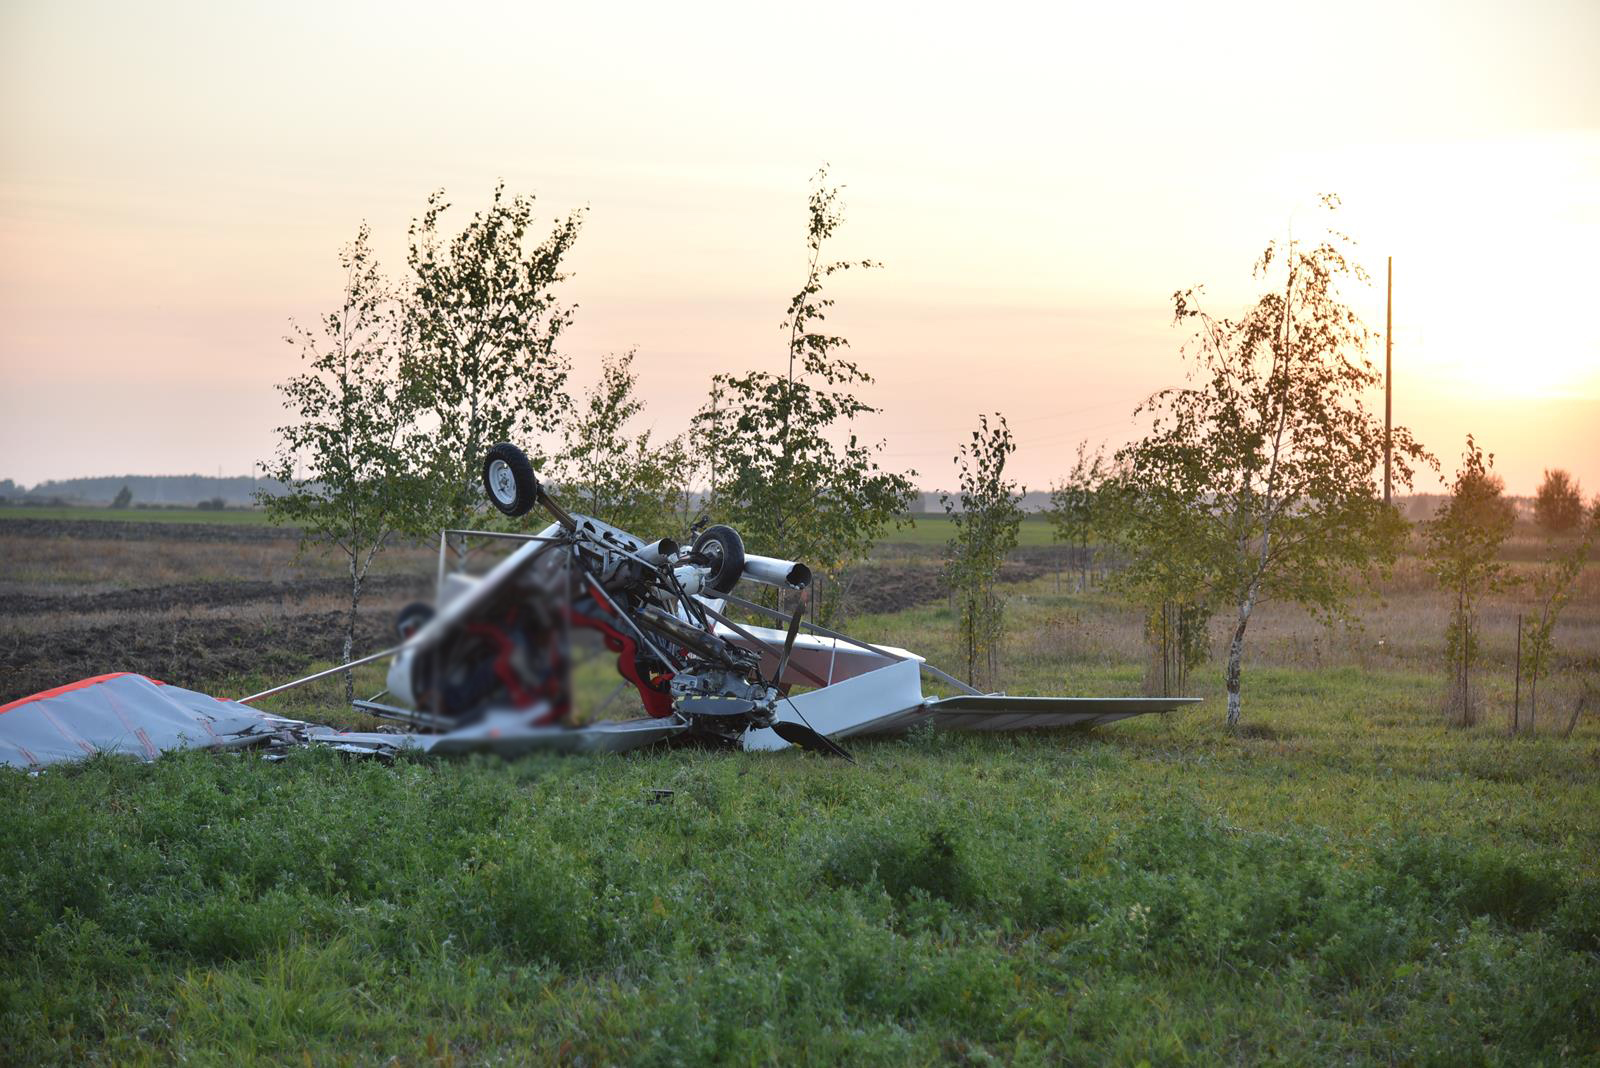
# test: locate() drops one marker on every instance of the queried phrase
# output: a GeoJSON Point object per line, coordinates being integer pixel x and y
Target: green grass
{"type": "Point", "coordinates": [1348, 881]}
{"type": "Point", "coordinates": [926, 530]}
{"type": "Point", "coordinates": [226, 517]}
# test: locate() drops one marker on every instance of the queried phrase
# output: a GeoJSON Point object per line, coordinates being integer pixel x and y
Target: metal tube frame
{"type": "Point", "coordinates": [322, 674]}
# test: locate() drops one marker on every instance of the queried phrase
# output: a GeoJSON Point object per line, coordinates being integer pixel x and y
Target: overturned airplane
{"type": "Point", "coordinates": [487, 668]}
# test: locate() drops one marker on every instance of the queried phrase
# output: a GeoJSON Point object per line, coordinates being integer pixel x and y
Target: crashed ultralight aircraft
{"type": "Point", "coordinates": [487, 668]}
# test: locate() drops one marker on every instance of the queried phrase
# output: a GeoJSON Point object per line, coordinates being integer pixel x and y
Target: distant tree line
{"type": "Point", "coordinates": [185, 491]}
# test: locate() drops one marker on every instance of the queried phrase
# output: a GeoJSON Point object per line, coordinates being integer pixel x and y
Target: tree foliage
{"type": "Point", "coordinates": [1166, 541]}
{"type": "Point", "coordinates": [986, 516]}
{"type": "Point", "coordinates": [1261, 470]}
{"type": "Point", "coordinates": [634, 482]}
{"type": "Point", "coordinates": [1463, 548]}
{"type": "Point", "coordinates": [347, 478]}
{"type": "Point", "coordinates": [1558, 506]}
{"type": "Point", "coordinates": [483, 324]}
{"type": "Point", "coordinates": [784, 465]}
{"type": "Point", "coordinates": [1075, 506]}
{"type": "Point", "coordinates": [1553, 585]}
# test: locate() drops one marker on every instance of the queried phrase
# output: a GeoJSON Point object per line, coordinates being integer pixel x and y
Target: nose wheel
{"type": "Point", "coordinates": [509, 480]}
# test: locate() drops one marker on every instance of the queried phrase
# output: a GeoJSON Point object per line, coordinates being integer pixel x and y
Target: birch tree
{"type": "Point", "coordinates": [347, 479]}
{"type": "Point", "coordinates": [1272, 445]}
{"type": "Point", "coordinates": [1073, 507]}
{"type": "Point", "coordinates": [1463, 552]}
{"type": "Point", "coordinates": [484, 320]}
{"type": "Point", "coordinates": [634, 481]}
{"type": "Point", "coordinates": [785, 466]}
{"type": "Point", "coordinates": [986, 515]}
{"type": "Point", "coordinates": [1553, 585]}
{"type": "Point", "coordinates": [1558, 504]}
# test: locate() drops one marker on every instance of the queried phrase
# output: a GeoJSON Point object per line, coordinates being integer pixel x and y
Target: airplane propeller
{"type": "Point", "coordinates": [806, 738]}
{"type": "Point", "coordinates": [801, 734]}
{"type": "Point", "coordinates": [788, 643]}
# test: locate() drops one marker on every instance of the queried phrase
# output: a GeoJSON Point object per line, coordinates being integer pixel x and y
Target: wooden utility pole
{"type": "Point", "coordinates": [1388, 387]}
{"type": "Point", "coordinates": [1516, 700]}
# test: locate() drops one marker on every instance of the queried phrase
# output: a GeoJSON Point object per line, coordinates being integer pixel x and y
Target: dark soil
{"type": "Point", "coordinates": [121, 530]}
{"type": "Point", "coordinates": [186, 652]}
{"type": "Point", "coordinates": [264, 629]}
{"type": "Point", "coordinates": [218, 594]}
{"type": "Point", "coordinates": [891, 587]}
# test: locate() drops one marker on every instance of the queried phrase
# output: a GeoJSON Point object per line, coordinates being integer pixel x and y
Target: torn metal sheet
{"type": "Point", "coordinates": [855, 706]}
{"type": "Point", "coordinates": [508, 735]}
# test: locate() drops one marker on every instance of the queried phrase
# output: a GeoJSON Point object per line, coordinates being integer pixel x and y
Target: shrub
{"type": "Point", "coordinates": [902, 862]}
{"type": "Point", "coordinates": [1558, 506]}
{"type": "Point", "coordinates": [1477, 882]}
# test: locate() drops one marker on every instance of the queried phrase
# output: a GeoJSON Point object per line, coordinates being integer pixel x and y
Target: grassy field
{"type": "Point", "coordinates": [1347, 879]}
{"type": "Point", "coordinates": [934, 530]}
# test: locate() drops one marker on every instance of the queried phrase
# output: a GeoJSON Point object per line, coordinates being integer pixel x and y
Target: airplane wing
{"type": "Point", "coordinates": [889, 700]}
{"type": "Point", "coordinates": [998, 712]}
{"type": "Point", "coordinates": [129, 714]}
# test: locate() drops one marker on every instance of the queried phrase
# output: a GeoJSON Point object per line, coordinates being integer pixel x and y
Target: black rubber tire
{"type": "Point", "coordinates": [412, 618]}
{"type": "Point", "coordinates": [726, 549]}
{"type": "Point", "coordinates": [514, 489]}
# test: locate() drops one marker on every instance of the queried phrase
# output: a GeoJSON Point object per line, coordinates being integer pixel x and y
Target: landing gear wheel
{"type": "Point", "coordinates": [412, 618]}
{"type": "Point", "coordinates": [723, 547]}
{"type": "Point", "coordinates": [509, 480]}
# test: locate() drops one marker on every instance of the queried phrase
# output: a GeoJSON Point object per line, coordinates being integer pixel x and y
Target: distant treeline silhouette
{"type": "Point", "coordinates": [187, 490]}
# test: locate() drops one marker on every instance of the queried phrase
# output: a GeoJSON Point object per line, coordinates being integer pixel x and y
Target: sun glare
{"type": "Point", "coordinates": [1493, 268]}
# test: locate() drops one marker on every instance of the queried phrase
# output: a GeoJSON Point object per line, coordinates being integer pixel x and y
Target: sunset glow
{"type": "Point", "coordinates": [175, 182]}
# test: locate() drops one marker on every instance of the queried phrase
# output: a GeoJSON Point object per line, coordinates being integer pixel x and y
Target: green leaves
{"type": "Point", "coordinates": [985, 526]}
{"type": "Point", "coordinates": [1463, 546]}
{"type": "Point", "coordinates": [781, 463]}
{"type": "Point", "coordinates": [348, 478]}
{"type": "Point", "coordinates": [404, 390]}
{"type": "Point", "coordinates": [632, 482]}
{"type": "Point", "coordinates": [482, 326]}
{"type": "Point", "coordinates": [1558, 506]}
{"type": "Point", "coordinates": [1257, 480]}
{"type": "Point", "coordinates": [1076, 508]}
{"type": "Point", "coordinates": [1553, 585]}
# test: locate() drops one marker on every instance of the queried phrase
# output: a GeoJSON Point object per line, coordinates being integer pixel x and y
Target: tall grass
{"type": "Point", "coordinates": [1346, 880]}
{"type": "Point", "coordinates": [1356, 884]}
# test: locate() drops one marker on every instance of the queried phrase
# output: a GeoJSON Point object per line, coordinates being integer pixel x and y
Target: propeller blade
{"type": "Point", "coordinates": [806, 738]}
{"type": "Point", "coordinates": [788, 644]}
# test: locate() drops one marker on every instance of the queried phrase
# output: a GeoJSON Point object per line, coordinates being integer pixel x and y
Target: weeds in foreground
{"type": "Point", "coordinates": [1153, 891]}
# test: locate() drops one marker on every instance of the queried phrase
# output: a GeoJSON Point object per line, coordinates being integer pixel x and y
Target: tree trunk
{"type": "Point", "coordinates": [350, 631]}
{"type": "Point", "coordinates": [1236, 655]}
{"type": "Point", "coordinates": [1577, 710]}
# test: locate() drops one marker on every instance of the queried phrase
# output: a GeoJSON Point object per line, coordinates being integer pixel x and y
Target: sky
{"type": "Point", "coordinates": [177, 178]}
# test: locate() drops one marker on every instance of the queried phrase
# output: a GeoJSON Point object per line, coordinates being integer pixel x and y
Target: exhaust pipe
{"type": "Point", "coordinates": [658, 551]}
{"type": "Point", "coordinates": [785, 574]}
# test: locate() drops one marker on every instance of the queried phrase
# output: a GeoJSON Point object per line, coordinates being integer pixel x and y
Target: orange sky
{"type": "Point", "coordinates": [175, 180]}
